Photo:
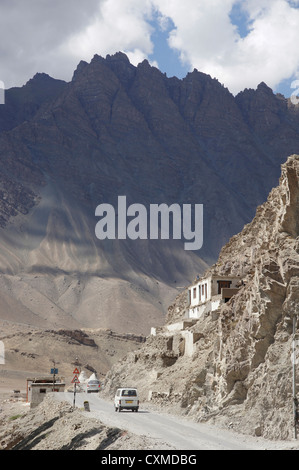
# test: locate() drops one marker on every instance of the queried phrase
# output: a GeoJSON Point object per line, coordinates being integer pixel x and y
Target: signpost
{"type": "Point", "coordinates": [54, 372]}
{"type": "Point", "coordinates": [75, 381]}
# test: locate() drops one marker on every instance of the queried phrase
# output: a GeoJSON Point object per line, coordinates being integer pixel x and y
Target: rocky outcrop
{"type": "Point", "coordinates": [240, 370]}
{"type": "Point", "coordinates": [255, 329]}
{"type": "Point", "coordinates": [77, 337]}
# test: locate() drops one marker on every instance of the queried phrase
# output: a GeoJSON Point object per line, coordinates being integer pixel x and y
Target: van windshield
{"type": "Point", "coordinates": [129, 393]}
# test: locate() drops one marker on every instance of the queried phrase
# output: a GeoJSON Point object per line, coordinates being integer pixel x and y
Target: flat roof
{"type": "Point", "coordinates": [45, 379]}
{"type": "Point", "coordinates": [127, 388]}
{"type": "Point", "coordinates": [215, 276]}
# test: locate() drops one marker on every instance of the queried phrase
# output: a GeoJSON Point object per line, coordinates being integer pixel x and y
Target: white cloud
{"type": "Point", "coordinates": [206, 39]}
{"type": "Point", "coordinates": [118, 25]}
{"type": "Point", "coordinates": [203, 29]}
{"type": "Point", "coordinates": [271, 50]}
{"type": "Point", "coordinates": [52, 36]}
{"type": "Point", "coordinates": [31, 34]}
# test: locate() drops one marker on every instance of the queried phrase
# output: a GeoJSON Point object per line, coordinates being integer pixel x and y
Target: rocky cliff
{"type": "Point", "coordinates": [115, 130]}
{"type": "Point", "coordinates": [240, 370]}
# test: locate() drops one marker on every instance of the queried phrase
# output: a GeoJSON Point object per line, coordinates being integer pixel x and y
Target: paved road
{"type": "Point", "coordinates": [180, 433]}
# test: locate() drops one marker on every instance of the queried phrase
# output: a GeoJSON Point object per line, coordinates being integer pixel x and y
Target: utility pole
{"type": "Point", "coordinates": [295, 402]}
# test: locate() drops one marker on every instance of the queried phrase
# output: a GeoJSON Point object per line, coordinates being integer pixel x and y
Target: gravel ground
{"type": "Point", "coordinates": [55, 425]}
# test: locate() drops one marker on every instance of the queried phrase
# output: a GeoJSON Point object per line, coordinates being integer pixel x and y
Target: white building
{"type": "Point", "coordinates": [38, 387]}
{"type": "Point", "coordinates": [210, 292]}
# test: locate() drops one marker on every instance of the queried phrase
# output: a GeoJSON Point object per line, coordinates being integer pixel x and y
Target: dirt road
{"type": "Point", "coordinates": [177, 432]}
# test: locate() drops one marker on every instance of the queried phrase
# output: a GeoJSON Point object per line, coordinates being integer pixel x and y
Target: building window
{"type": "Point", "coordinates": [42, 390]}
{"type": "Point", "coordinates": [223, 285]}
{"type": "Point", "coordinates": [194, 293]}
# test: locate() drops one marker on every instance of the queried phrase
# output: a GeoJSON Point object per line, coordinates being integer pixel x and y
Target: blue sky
{"type": "Point", "coordinates": [239, 42]}
{"type": "Point", "coordinates": [240, 18]}
{"type": "Point", "coordinates": [167, 59]}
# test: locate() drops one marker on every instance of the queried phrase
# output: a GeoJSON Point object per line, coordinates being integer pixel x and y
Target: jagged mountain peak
{"type": "Point", "coordinates": [264, 88]}
{"type": "Point", "coordinates": [40, 78]}
{"type": "Point", "coordinates": [116, 130]}
{"type": "Point", "coordinates": [81, 66]}
{"type": "Point", "coordinates": [118, 56]}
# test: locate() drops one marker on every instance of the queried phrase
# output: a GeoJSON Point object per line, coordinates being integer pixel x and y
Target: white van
{"type": "Point", "coordinates": [126, 399]}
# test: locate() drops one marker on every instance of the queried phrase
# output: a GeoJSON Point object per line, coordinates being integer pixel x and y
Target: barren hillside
{"type": "Point", "coordinates": [116, 130]}
{"type": "Point", "coordinates": [30, 352]}
{"type": "Point", "coordinates": [240, 373]}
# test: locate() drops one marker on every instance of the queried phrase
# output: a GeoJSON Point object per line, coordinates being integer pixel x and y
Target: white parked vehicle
{"type": "Point", "coordinates": [126, 399]}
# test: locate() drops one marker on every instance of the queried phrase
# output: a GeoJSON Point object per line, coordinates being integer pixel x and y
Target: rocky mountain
{"type": "Point", "coordinates": [240, 371]}
{"type": "Point", "coordinates": [120, 130]}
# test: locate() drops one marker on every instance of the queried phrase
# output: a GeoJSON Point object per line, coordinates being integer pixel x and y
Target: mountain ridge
{"type": "Point", "coordinates": [117, 129]}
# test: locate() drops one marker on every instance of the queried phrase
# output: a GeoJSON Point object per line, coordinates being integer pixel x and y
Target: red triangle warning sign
{"type": "Point", "coordinates": [75, 380]}
{"type": "Point", "coordinates": [76, 372]}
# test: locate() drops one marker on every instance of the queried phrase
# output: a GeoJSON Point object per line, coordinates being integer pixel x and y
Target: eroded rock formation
{"type": "Point", "coordinates": [240, 369]}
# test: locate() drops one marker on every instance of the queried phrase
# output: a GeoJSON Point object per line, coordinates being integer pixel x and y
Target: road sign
{"type": "Point", "coordinates": [54, 371]}
{"type": "Point", "coordinates": [75, 380]}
